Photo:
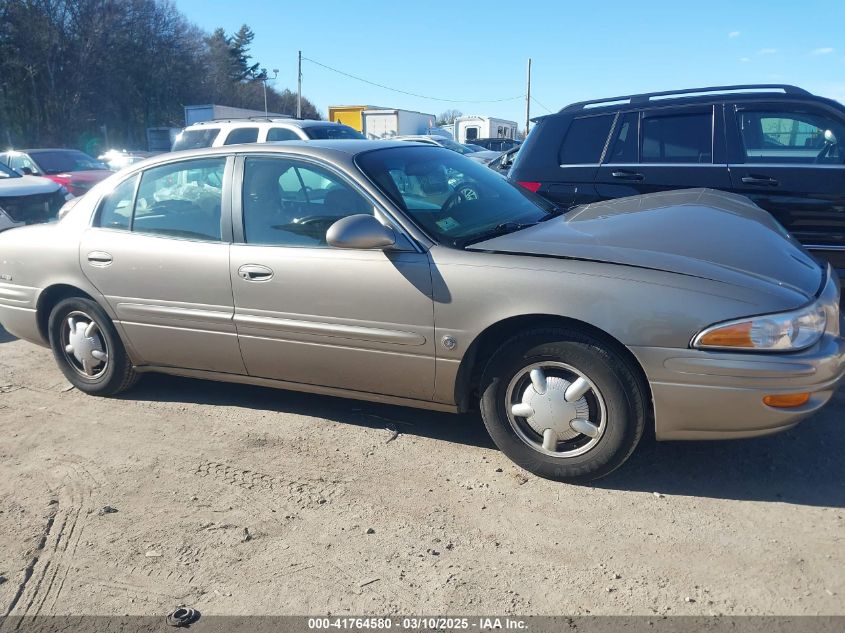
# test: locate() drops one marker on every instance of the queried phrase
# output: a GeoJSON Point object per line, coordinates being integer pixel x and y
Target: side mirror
{"type": "Point", "coordinates": [26, 171]}
{"type": "Point", "coordinates": [361, 231]}
{"type": "Point", "coordinates": [830, 137]}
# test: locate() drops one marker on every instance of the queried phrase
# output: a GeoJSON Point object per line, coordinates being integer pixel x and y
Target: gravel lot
{"type": "Point", "coordinates": [242, 500]}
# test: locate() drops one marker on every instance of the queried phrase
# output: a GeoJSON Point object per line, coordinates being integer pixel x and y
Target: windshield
{"type": "Point", "coordinates": [195, 139]}
{"type": "Point", "coordinates": [332, 132]}
{"type": "Point", "coordinates": [456, 201]}
{"type": "Point", "coordinates": [5, 172]}
{"type": "Point", "coordinates": [60, 161]}
{"type": "Point", "coordinates": [475, 148]}
{"type": "Point", "coordinates": [455, 146]}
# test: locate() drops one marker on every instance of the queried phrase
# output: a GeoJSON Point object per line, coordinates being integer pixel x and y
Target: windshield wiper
{"type": "Point", "coordinates": [556, 211]}
{"type": "Point", "coordinates": [500, 229]}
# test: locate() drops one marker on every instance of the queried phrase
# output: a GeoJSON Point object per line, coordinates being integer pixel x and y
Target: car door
{"type": "Point", "coordinates": [579, 158]}
{"type": "Point", "coordinates": [158, 251]}
{"type": "Point", "coordinates": [305, 312]}
{"type": "Point", "coordinates": [788, 158]}
{"type": "Point", "coordinates": [664, 148]}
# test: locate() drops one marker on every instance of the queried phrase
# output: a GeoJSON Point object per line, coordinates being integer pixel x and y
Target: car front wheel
{"type": "Point", "coordinates": [562, 404]}
{"type": "Point", "coordinates": [88, 349]}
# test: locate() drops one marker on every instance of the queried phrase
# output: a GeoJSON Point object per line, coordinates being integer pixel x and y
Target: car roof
{"type": "Point", "coordinates": [325, 148]}
{"type": "Point", "coordinates": [302, 123]}
{"type": "Point", "coordinates": [709, 94]}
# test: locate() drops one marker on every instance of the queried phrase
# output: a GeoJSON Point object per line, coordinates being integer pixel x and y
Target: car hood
{"type": "Point", "coordinates": [26, 186]}
{"type": "Point", "coordinates": [698, 232]}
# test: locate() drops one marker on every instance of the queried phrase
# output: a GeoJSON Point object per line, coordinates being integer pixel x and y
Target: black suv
{"type": "Point", "coordinates": [779, 145]}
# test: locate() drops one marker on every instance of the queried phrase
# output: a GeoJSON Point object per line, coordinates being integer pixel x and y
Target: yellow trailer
{"type": "Point", "coordinates": [349, 115]}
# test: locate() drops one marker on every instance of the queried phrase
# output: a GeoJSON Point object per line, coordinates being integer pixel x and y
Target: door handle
{"type": "Point", "coordinates": [255, 272]}
{"type": "Point", "coordinates": [762, 181]}
{"type": "Point", "coordinates": [99, 258]}
{"type": "Point", "coordinates": [627, 175]}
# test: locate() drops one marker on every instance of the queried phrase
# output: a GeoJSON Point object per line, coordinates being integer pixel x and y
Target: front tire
{"type": "Point", "coordinates": [562, 404]}
{"type": "Point", "coordinates": [87, 348]}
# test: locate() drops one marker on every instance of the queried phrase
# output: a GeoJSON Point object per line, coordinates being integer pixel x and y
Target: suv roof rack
{"type": "Point", "coordinates": [230, 119]}
{"type": "Point", "coordinates": [646, 97]}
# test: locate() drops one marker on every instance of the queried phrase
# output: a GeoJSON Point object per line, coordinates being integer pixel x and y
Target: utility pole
{"type": "Point", "coordinates": [299, 88]}
{"type": "Point", "coordinates": [264, 83]}
{"type": "Point", "coordinates": [528, 99]}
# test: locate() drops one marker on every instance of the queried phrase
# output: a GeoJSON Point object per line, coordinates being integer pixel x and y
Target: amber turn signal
{"type": "Point", "coordinates": [736, 335]}
{"type": "Point", "coordinates": [786, 400]}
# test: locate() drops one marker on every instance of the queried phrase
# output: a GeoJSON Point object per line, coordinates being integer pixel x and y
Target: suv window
{"type": "Point", "coordinates": [281, 134]}
{"type": "Point", "coordinates": [771, 136]}
{"type": "Point", "coordinates": [195, 139]}
{"type": "Point", "coordinates": [242, 135]}
{"type": "Point", "coordinates": [624, 148]}
{"type": "Point", "coordinates": [585, 140]}
{"type": "Point", "coordinates": [116, 208]}
{"type": "Point", "coordinates": [293, 203]}
{"type": "Point", "coordinates": [181, 199]}
{"type": "Point", "coordinates": [678, 138]}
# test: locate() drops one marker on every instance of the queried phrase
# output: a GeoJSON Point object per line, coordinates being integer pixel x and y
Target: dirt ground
{"type": "Point", "coordinates": [242, 500]}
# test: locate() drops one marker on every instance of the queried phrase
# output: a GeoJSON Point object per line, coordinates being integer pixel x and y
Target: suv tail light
{"type": "Point", "coordinates": [531, 186]}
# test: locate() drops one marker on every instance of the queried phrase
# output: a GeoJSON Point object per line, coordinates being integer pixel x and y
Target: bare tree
{"type": "Point", "coordinates": [448, 117]}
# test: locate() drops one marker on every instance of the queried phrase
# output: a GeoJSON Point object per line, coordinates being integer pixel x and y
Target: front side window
{"type": "Point", "coordinates": [281, 134]}
{"type": "Point", "coordinates": [181, 199]}
{"type": "Point", "coordinates": [770, 136]}
{"type": "Point", "coordinates": [242, 135]}
{"type": "Point", "coordinates": [196, 139]}
{"type": "Point", "coordinates": [677, 138]}
{"type": "Point", "coordinates": [116, 208]}
{"type": "Point", "coordinates": [293, 203]}
{"type": "Point", "coordinates": [457, 201]}
{"type": "Point", "coordinates": [585, 140]}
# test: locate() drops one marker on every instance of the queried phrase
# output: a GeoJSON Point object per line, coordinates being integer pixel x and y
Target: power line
{"type": "Point", "coordinates": [535, 100]}
{"type": "Point", "coordinates": [405, 92]}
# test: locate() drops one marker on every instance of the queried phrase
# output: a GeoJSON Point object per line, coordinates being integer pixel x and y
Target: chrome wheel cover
{"type": "Point", "coordinates": [556, 409]}
{"type": "Point", "coordinates": [84, 345]}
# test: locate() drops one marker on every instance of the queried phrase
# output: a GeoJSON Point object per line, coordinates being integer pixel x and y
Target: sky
{"type": "Point", "coordinates": [474, 52]}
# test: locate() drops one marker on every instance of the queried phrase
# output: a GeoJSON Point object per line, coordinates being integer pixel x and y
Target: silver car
{"type": "Point", "coordinates": [408, 274]}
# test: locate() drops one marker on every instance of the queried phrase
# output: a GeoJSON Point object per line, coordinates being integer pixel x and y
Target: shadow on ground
{"type": "Point", "coordinates": [802, 466]}
{"type": "Point", "coordinates": [5, 337]}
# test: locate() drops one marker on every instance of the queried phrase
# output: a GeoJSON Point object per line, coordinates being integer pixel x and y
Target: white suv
{"type": "Point", "coordinates": [259, 130]}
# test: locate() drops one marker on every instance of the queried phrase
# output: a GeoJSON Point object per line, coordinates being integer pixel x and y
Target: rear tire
{"type": "Point", "coordinates": [562, 404]}
{"type": "Point", "coordinates": [87, 348]}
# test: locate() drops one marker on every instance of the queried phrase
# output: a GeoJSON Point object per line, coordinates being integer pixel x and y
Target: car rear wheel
{"type": "Point", "coordinates": [88, 349]}
{"type": "Point", "coordinates": [562, 404]}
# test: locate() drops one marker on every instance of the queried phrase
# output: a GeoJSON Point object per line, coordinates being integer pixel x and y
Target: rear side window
{"type": "Point", "coordinates": [116, 208]}
{"type": "Point", "coordinates": [281, 134]}
{"type": "Point", "coordinates": [585, 140]}
{"type": "Point", "coordinates": [181, 199]}
{"type": "Point", "coordinates": [333, 132]}
{"type": "Point", "coordinates": [242, 135]}
{"type": "Point", "coordinates": [624, 146]}
{"type": "Point", "coordinates": [195, 139]}
{"type": "Point", "coordinates": [678, 138]}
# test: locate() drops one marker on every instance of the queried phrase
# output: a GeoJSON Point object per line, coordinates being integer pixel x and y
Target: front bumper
{"type": "Point", "coordinates": [701, 395]}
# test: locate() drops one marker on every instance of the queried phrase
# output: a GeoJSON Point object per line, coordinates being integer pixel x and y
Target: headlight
{"type": "Point", "coordinates": [785, 332]}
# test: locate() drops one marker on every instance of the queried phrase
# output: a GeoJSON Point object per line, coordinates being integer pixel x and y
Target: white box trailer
{"type": "Point", "coordinates": [213, 112]}
{"type": "Point", "coordinates": [387, 123]}
{"type": "Point", "coordinates": [471, 127]}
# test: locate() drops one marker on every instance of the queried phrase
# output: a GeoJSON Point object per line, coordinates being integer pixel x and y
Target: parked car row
{"type": "Point", "coordinates": [365, 269]}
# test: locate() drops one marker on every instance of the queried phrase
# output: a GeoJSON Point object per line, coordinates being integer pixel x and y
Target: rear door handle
{"type": "Point", "coordinates": [99, 258]}
{"type": "Point", "coordinates": [627, 175]}
{"type": "Point", "coordinates": [762, 181]}
{"type": "Point", "coordinates": [255, 272]}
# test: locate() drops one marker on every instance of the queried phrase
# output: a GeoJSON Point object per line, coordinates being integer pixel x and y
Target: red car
{"type": "Point", "coordinates": [75, 170]}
